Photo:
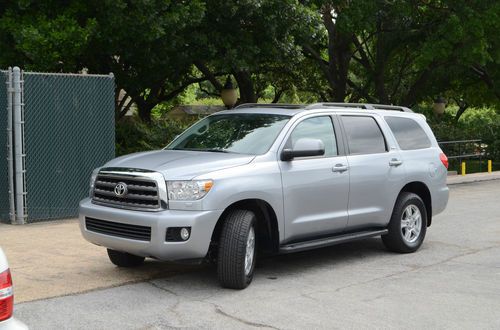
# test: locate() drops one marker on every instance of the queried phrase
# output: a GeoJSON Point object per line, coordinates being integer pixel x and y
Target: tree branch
{"type": "Point", "coordinates": [120, 104]}
{"type": "Point", "coordinates": [364, 57]}
{"type": "Point", "coordinates": [208, 74]}
{"type": "Point", "coordinates": [124, 111]}
{"type": "Point", "coordinates": [486, 78]}
{"type": "Point", "coordinates": [462, 106]}
{"type": "Point", "coordinates": [324, 65]}
{"type": "Point", "coordinates": [182, 87]}
{"type": "Point", "coordinates": [362, 92]}
{"type": "Point", "coordinates": [277, 95]}
{"type": "Point", "coordinates": [207, 92]}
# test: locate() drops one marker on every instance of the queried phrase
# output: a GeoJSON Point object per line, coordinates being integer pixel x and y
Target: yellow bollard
{"type": "Point", "coordinates": [463, 168]}
{"type": "Point", "coordinates": [489, 166]}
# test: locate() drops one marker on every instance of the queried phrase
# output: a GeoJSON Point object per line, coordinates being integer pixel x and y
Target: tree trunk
{"type": "Point", "coordinates": [339, 55]}
{"type": "Point", "coordinates": [462, 107]}
{"type": "Point", "coordinates": [246, 87]}
{"type": "Point", "coordinates": [144, 109]}
{"type": "Point", "coordinates": [380, 62]}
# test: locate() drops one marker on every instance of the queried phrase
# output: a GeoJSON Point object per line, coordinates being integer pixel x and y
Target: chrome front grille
{"type": "Point", "coordinates": [139, 193]}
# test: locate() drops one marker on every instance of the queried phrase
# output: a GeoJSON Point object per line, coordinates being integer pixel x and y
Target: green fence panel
{"type": "Point", "coordinates": [4, 178]}
{"type": "Point", "coordinates": [69, 131]}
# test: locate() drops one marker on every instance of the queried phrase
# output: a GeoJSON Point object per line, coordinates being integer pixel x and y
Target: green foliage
{"type": "Point", "coordinates": [476, 123]}
{"type": "Point", "coordinates": [406, 52]}
{"type": "Point", "coordinates": [165, 53]}
{"type": "Point", "coordinates": [45, 36]}
{"type": "Point", "coordinates": [399, 51]}
{"type": "Point", "coordinates": [134, 136]}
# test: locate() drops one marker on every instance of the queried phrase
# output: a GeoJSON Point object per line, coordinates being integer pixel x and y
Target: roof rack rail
{"type": "Point", "coordinates": [367, 106]}
{"type": "Point", "coordinates": [270, 105]}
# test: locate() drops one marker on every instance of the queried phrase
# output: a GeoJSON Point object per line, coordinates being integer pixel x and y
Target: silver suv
{"type": "Point", "coordinates": [270, 179]}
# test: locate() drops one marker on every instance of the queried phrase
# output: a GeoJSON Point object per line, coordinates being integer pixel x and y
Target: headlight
{"type": "Point", "coordinates": [92, 180]}
{"type": "Point", "coordinates": [188, 190]}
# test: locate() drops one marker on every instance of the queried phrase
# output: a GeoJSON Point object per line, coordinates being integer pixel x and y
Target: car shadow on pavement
{"type": "Point", "coordinates": [275, 267]}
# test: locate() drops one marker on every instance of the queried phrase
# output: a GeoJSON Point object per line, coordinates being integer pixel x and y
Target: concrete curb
{"type": "Point", "coordinates": [472, 178]}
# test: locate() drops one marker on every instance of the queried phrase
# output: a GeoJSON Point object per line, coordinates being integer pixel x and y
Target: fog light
{"type": "Point", "coordinates": [178, 234]}
{"type": "Point", "coordinates": [184, 233]}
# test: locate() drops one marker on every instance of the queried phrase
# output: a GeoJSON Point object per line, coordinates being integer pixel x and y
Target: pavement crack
{"type": "Point", "coordinates": [163, 288]}
{"type": "Point", "coordinates": [173, 309]}
{"type": "Point", "coordinates": [407, 271]}
{"type": "Point", "coordinates": [308, 296]}
{"type": "Point", "coordinates": [219, 310]}
{"type": "Point", "coordinates": [472, 251]}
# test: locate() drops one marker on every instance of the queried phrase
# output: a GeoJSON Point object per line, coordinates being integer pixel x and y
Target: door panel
{"type": "Point", "coordinates": [374, 188]}
{"type": "Point", "coordinates": [376, 172]}
{"type": "Point", "coordinates": [315, 197]}
{"type": "Point", "coordinates": [315, 189]}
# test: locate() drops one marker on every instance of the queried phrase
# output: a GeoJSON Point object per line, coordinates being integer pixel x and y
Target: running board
{"type": "Point", "coordinates": [318, 243]}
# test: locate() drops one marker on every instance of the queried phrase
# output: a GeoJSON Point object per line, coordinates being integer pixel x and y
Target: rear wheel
{"type": "Point", "coordinates": [237, 250]}
{"type": "Point", "coordinates": [408, 224]}
{"type": "Point", "coordinates": [124, 259]}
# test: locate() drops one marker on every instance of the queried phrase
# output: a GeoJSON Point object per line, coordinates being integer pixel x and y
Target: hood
{"type": "Point", "coordinates": [179, 164]}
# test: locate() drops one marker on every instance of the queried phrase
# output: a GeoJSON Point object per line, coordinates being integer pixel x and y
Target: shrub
{"type": "Point", "coordinates": [133, 136]}
{"type": "Point", "coordinates": [475, 123]}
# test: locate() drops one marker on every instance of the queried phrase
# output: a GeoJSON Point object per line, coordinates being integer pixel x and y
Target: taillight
{"type": "Point", "coordinates": [443, 159]}
{"type": "Point", "coordinates": [6, 295]}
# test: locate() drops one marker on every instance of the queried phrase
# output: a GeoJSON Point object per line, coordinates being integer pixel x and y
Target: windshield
{"type": "Point", "coordinates": [245, 133]}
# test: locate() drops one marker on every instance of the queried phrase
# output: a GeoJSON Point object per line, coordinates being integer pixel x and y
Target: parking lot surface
{"type": "Point", "coordinates": [453, 281]}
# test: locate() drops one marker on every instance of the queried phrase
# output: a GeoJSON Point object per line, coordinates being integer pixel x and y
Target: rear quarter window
{"type": "Point", "coordinates": [408, 133]}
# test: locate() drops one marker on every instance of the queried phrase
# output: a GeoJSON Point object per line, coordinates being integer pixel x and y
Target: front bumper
{"type": "Point", "coordinates": [202, 224]}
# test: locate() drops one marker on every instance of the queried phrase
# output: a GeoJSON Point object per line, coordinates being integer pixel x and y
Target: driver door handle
{"type": "Point", "coordinates": [340, 168]}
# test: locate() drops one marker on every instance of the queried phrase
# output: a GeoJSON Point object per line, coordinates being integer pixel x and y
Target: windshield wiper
{"type": "Point", "coordinates": [217, 150]}
{"type": "Point", "coordinates": [207, 150]}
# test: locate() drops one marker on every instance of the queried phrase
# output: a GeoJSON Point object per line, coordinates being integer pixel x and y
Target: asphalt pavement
{"type": "Point", "coordinates": [452, 282]}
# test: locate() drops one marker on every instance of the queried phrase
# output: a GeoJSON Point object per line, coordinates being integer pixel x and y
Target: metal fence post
{"type": "Point", "coordinates": [10, 158]}
{"type": "Point", "coordinates": [19, 146]}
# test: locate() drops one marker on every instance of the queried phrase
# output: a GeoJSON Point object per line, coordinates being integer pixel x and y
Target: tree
{"type": "Point", "coordinates": [401, 52]}
{"type": "Point", "coordinates": [404, 52]}
{"type": "Point", "coordinates": [331, 46]}
{"type": "Point", "coordinates": [144, 43]}
{"type": "Point", "coordinates": [44, 36]}
{"type": "Point", "coordinates": [252, 40]}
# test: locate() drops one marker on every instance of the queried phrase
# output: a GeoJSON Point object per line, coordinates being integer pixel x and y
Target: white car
{"type": "Point", "coordinates": [7, 322]}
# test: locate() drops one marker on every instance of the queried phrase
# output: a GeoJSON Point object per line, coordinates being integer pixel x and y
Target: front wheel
{"type": "Point", "coordinates": [237, 250]}
{"type": "Point", "coordinates": [408, 224]}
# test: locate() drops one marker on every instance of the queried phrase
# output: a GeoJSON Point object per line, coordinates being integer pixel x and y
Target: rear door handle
{"type": "Point", "coordinates": [340, 168]}
{"type": "Point", "coordinates": [395, 162]}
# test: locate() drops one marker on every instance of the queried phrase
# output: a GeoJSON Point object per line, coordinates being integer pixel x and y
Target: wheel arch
{"type": "Point", "coordinates": [419, 188]}
{"type": "Point", "coordinates": [267, 223]}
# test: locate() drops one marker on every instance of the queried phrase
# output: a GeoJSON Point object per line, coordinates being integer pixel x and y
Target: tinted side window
{"type": "Point", "coordinates": [363, 135]}
{"type": "Point", "coordinates": [316, 128]}
{"type": "Point", "coordinates": [408, 133]}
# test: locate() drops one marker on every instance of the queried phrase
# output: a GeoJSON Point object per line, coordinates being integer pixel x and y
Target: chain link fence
{"type": "Point", "coordinates": [68, 131]}
{"type": "Point", "coordinates": [4, 174]}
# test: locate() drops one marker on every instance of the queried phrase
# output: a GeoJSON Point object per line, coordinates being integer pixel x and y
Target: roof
{"type": "Point", "coordinates": [293, 109]}
{"type": "Point", "coordinates": [264, 109]}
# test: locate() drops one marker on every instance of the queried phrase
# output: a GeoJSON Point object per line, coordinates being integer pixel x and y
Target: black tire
{"type": "Point", "coordinates": [123, 259]}
{"type": "Point", "coordinates": [233, 247]}
{"type": "Point", "coordinates": [395, 240]}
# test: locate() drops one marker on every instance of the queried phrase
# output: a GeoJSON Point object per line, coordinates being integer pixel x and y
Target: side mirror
{"type": "Point", "coordinates": [304, 147]}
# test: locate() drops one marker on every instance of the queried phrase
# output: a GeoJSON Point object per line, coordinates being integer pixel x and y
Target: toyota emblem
{"type": "Point", "coordinates": [121, 189]}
